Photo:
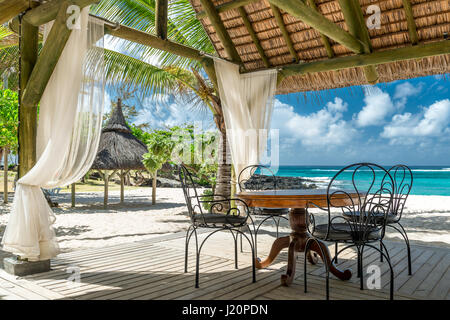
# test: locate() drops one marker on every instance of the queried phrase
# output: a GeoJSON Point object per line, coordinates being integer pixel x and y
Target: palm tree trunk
{"type": "Point", "coordinates": [154, 188]}
{"type": "Point", "coordinates": [223, 180]}
{"type": "Point", "coordinates": [5, 175]}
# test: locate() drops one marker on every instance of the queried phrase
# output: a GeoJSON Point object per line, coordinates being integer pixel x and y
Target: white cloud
{"type": "Point", "coordinates": [322, 128]}
{"type": "Point", "coordinates": [405, 90]}
{"type": "Point", "coordinates": [337, 106]}
{"type": "Point", "coordinates": [406, 128]}
{"type": "Point", "coordinates": [378, 105]}
{"type": "Point", "coordinates": [165, 112]}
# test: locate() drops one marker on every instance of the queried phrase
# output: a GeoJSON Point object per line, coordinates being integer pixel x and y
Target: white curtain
{"type": "Point", "coordinates": [247, 104]}
{"type": "Point", "coordinates": [70, 120]}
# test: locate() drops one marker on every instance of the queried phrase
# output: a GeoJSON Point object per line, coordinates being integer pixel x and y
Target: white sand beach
{"type": "Point", "coordinates": [426, 218]}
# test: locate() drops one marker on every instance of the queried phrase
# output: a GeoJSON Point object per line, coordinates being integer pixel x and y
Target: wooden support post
{"type": "Point", "coordinates": [122, 185]}
{"type": "Point", "coordinates": [354, 19]}
{"type": "Point", "coordinates": [287, 38]}
{"type": "Point", "coordinates": [105, 195]}
{"type": "Point", "coordinates": [161, 18]}
{"type": "Point", "coordinates": [73, 194]}
{"type": "Point", "coordinates": [300, 10]}
{"type": "Point", "coordinates": [221, 32]}
{"type": "Point", "coordinates": [5, 174]}
{"type": "Point", "coordinates": [412, 28]}
{"type": "Point", "coordinates": [48, 58]}
{"type": "Point", "coordinates": [27, 114]}
{"type": "Point", "coordinates": [325, 40]}
{"type": "Point", "coordinates": [227, 6]}
{"type": "Point", "coordinates": [253, 35]}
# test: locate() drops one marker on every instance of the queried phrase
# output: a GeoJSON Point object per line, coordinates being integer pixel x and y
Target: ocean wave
{"type": "Point", "coordinates": [367, 170]}
{"type": "Point", "coordinates": [431, 170]}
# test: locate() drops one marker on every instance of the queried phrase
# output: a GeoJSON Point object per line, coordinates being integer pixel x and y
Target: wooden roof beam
{"type": "Point", "coordinates": [48, 11]}
{"type": "Point", "coordinates": [9, 9]}
{"type": "Point", "coordinates": [354, 19]}
{"type": "Point", "coordinates": [161, 8]}
{"type": "Point", "coordinates": [253, 35]}
{"type": "Point", "coordinates": [221, 31]}
{"type": "Point", "coordinates": [325, 40]}
{"type": "Point", "coordinates": [412, 29]}
{"type": "Point", "coordinates": [49, 56]}
{"type": "Point", "coordinates": [287, 38]}
{"type": "Point", "coordinates": [370, 59]}
{"type": "Point", "coordinates": [227, 6]}
{"type": "Point", "coordinates": [300, 10]}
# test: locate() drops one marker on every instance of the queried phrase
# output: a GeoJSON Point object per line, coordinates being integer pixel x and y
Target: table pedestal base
{"type": "Point", "coordinates": [296, 243]}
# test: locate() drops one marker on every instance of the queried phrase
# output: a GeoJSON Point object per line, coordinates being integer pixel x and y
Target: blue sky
{"type": "Point", "coordinates": [400, 122]}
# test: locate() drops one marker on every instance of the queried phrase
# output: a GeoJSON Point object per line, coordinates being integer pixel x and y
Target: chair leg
{"type": "Point", "coordinates": [197, 271]}
{"type": "Point", "coordinates": [277, 223]}
{"type": "Point", "coordinates": [235, 238]}
{"type": "Point", "coordinates": [241, 242]}
{"type": "Point", "coordinates": [361, 269]}
{"type": "Point", "coordinates": [336, 252]}
{"type": "Point", "coordinates": [358, 269]}
{"type": "Point", "coordinates": [252, 247]}
{"type": "Point", "coordinates": [381, 254]}
{"type": "Point", "coordinates": [188, 239]}
{"type": "Point", "coordinates": [186, 248]}
{"type": "Point", "coordinates": [388, 260]}
{"type": "Point", "coordinates": [405, 236]}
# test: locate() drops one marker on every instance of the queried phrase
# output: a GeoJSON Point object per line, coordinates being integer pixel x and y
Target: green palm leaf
{"type": "Point", "coordinates": [183, 27]}
{"type": "Point", "coordinates": [153, 80]}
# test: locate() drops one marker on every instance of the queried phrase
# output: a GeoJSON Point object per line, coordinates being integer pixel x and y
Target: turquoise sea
{"type": "Point", "coordinates": [428, 180]}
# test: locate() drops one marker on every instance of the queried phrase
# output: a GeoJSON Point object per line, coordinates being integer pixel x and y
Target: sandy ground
{"type": "Point", "coordinates": [426, 219]}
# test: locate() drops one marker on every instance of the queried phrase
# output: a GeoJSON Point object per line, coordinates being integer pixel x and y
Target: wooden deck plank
{"type": "Point", "coordinates": [146, 262]}
{"type": "Point", "coordinates": [161, 285]}
{"type": "Point", "coordinates": [419, 276]}
{"type": "Point", "coordinates": [98, 263]}
{"type": "Point", "coordinates": [433, 277]}
{"type": "Point", "coordinates": [442, 288]}
{"type": "Point", "coordinates": [59, 265]}
{"type": "Point", "coordinates": [116, 277]}
{"type": "Point", "coordinates": [153, 269]}
{"type": "Point", "coordinates": [230, 283]}
{"type": "Point", "coordinates": [417, 262]}
{"type": "Point", "coordinates": [137, 283]}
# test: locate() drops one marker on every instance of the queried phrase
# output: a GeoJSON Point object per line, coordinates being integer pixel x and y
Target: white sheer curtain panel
{"type": "Point", "coordinates": [247, 103]}
{"type": "Point", "coordinates": [70, 121]}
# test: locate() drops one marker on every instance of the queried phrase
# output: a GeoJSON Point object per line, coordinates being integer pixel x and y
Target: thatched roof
{"type": "Point", "coordinates": [432, 19]}
{"type": "Point", "coordinates": [119, 148]}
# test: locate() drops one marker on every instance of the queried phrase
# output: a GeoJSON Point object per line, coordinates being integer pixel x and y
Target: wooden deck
{"type": "Point", "coordinates": [153, 269]}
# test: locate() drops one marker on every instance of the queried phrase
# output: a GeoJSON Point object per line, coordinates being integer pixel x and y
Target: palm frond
{"type": "Point", "coordinates": [183, 27]}
{"type": "Point", "coordinates": [150, 80]}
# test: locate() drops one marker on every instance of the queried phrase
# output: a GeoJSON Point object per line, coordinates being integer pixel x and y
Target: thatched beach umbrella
{"type": "Point", "coordinates": [119, 150]}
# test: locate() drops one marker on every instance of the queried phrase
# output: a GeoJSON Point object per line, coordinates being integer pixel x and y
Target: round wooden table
{"type": "Point", "coordinates": [297, 201]}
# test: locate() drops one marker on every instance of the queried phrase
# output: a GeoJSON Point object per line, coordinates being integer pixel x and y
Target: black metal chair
{"type": "Point", "coordinates": [249, 180]}
{"type": "Point", "coordinates": [403, 181]}
{"type": "Point", "coordinates": [362, 210]}
{"type": "Point", "coordinates": [214, 212]}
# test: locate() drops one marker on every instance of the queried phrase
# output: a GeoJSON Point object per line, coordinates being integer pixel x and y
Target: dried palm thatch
{"type": "Point", "coordinates": [119, 149]}
{"type": "Point", "coordinates": [432, 20]}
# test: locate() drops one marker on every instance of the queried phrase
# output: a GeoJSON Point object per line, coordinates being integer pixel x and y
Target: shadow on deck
{"type": "Point", "coordinates": [153, 269]}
